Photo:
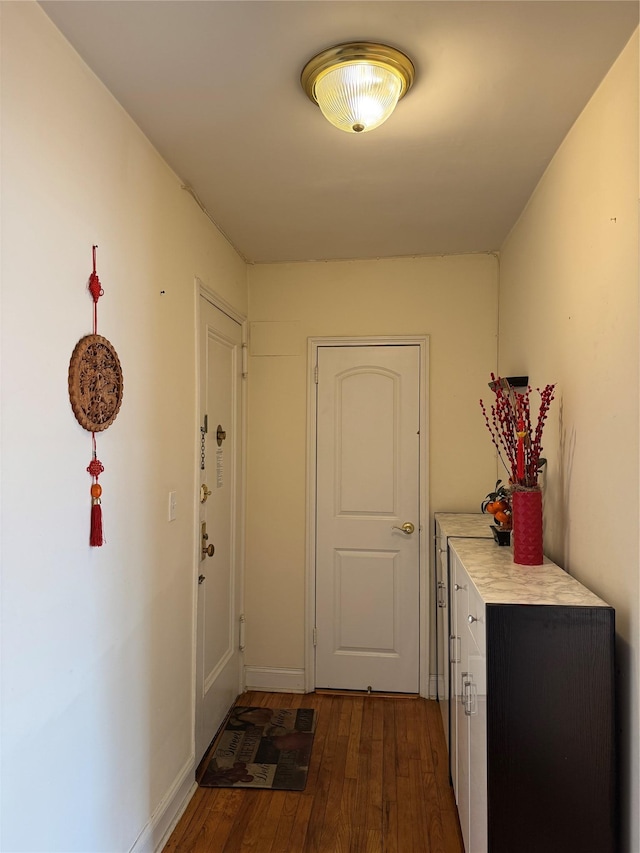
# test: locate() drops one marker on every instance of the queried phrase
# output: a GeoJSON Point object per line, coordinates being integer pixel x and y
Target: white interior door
{"type": "Point", "coordinates": [368, 473]}
{"type": "Point", "coordinates": [218, 658]}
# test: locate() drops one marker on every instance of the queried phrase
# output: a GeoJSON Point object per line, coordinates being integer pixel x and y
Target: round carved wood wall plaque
{"type": "Point", "coordinates": [95, 383]}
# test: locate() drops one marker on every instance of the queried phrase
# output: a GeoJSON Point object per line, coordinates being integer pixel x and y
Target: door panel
{"type": "Point", "coordinates": [219, 598]}
{"type": "Point", "coordinates": [367, 476]}
{"type": "Point", "coordinates": [366, 587]}
{"type": "Point", "coordinates": [365, 406]}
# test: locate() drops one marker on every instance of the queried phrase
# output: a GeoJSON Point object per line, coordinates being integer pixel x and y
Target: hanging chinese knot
{"type": "Point", "coordinates": [95, 391]}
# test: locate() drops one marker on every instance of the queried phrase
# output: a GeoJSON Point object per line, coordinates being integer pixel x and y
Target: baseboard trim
{"type": "Point", "coordinates": [436, 686]}
{"type": "Point", "coordinates": [164, 819]}
{"type": "Point", "coordinates": [273, 680]}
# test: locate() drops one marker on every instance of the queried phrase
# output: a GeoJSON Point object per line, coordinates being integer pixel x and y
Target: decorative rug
{"type": "Point", "coordinates": [262, 748]}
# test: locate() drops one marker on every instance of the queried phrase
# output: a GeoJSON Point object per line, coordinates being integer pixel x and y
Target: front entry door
{"type": "Point", "coordinates": [219, 596]}
{"type": "Point", "coordinates": [367, 566]}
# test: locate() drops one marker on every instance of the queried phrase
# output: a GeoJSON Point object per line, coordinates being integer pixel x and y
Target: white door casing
{"type": "Point", "coordinates": [219, 600]}
{"type": "Point", "coordinates": [368, 483]}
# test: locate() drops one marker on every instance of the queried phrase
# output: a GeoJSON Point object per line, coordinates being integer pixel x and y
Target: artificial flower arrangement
{"type": "Point", "coordinates": [519, 446]}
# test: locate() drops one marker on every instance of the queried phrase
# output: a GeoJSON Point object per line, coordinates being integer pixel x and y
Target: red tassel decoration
{"type": "Point", "coordinates": [96, 524]}
{"type": "Point", "coordinates": [96, 468]}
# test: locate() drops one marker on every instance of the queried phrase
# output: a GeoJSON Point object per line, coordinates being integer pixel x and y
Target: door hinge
{"type": "Point", "coordinates": [315, 374]}
{"type": "Point", "coordinates": [241, 632]}
{"type": "Point", "coordinates": [245, 360]}
{"type": "Point", "coordinates": [315, 636]}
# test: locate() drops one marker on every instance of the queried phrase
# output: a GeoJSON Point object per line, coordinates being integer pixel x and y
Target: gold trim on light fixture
{"type": "Point", "coordinates": [398, 72]}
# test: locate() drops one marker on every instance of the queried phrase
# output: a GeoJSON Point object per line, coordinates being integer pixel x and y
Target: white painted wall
{"type": "Point", "coordinates": [97, 644]}
{"type": "Point", "coordinates": [569, 314]}
{"type": "Point", "coordinates": [451, 299]}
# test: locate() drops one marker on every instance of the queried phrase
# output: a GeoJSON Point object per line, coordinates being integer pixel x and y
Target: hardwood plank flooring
{"type": "Point", "coordinates": [378, 783]}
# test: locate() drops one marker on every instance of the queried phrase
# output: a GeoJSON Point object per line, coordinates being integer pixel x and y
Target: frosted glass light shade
{"type": "Point", "coordinates": [357, 85]}
{"type": "Point", "coordinates": [358, 97]}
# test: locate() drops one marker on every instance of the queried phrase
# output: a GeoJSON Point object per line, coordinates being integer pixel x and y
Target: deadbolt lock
{"type": "Point", "coordinates": [205, 491]}
{"type": "Point", "coordinates": [220, 435]}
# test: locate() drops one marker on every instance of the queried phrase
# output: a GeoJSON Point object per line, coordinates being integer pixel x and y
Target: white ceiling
{"type": "Point", "coordinates": [214, 84]}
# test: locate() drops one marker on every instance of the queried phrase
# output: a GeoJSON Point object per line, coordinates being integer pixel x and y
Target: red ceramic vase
{"type": "Point", "coordinates": [527, 527]}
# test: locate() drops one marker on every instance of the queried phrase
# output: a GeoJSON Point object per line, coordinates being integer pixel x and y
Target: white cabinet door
{"type": "Point", "coordinates": [476, 709]}
{"type": "Point", "coordinates": [459, 670]}
{"type": "Point", "coordinates": [477, 718]}
{"type": "Point", "coordinates": [442, 627]}
{"type": "Point", "coordinates": [469, 750]}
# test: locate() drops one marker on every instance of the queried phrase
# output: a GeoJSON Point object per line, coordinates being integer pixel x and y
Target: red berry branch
{"type": "Point", "coordinates": [519, 446]}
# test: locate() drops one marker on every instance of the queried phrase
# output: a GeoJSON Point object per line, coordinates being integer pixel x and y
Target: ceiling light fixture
{"type": "Point", "coordinates": [357, 85]}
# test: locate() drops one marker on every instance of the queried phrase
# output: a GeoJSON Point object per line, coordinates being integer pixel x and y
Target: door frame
{"type": "Point", "coordinates": [201, 290]}
{"type": "Point", "coordinates": [422, 341]}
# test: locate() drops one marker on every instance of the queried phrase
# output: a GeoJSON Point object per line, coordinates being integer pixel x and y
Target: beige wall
{"type": "Point", "coordinates": [97, 644]}
{"type": "Point", "coordinates": [454, 301]}
{"type": "Point", "coordinates": [569, 314]}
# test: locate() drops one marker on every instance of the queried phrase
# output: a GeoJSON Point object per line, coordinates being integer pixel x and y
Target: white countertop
{"type": "Point", "coordinates": [465, 524]}
{"type": "Point", "coordinates": [501, 581]}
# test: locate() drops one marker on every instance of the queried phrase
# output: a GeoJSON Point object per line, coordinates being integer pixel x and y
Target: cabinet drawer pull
{"type": "Point", "coordinates": [471, 619]}
{"type": "Point", "coordinates": [465, 697]}
{"type": "Point", "coordinates": [469, 696]}
{"type": "Point", "coordinates": [457, 587]}
{"type": "Point", "coordinates": [454, 649]}
{"type": "Point", "coordinates": [471, 705]}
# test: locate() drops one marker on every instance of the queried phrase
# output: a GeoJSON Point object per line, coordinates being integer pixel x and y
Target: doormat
{"type": "Point", "coordinates": [263, 748]}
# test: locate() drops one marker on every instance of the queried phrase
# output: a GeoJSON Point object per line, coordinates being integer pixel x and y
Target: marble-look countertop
{"type": "Point", "coordinates": [465, 524]}
{"type": "Point", "coordinates": [499, 580]}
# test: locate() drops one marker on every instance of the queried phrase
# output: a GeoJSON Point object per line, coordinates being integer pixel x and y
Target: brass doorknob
{"type": "Point", "coordinates": [208, 551]}
{"type": "Point", "coordinates": [407, 528]}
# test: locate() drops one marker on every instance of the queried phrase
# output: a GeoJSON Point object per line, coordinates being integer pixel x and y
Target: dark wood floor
{"type": "Point", "coordinates": [378, 783]}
